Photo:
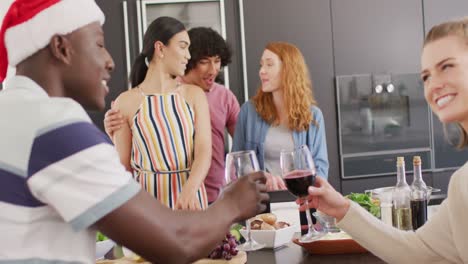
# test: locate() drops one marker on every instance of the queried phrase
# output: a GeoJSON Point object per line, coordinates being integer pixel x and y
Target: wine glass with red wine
{"type": "Point", "coordinates": [298, 172]}
{"type": "Point", "coordinates": [239, 164]}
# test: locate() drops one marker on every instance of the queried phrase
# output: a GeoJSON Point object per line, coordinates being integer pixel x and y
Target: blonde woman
{"type": "Point", "coordinates": [283, 114]}
{"type": "Point", "coordinates": [443, 239]}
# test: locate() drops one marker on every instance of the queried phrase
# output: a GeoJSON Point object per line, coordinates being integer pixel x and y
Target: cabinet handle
{"type": "Point", "coordinates": [244, 57]}
{"type": "Point", "coordinates": [139, 23]}
{"type": "Point", "coordinates": [127, 42]}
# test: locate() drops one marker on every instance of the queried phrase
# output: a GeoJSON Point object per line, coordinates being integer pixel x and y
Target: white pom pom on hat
{"type": "Point", "coordinates": [29, 25]}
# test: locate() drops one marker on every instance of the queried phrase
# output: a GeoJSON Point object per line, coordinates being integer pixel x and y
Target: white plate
{"type": "Point", "coordinates": [272, 238]}
{"type": "Point", "coordinates": [128, 253]}
{"type": "Point", "coordinates": [102, 247]}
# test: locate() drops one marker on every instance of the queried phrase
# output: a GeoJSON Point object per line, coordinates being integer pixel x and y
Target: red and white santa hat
{"type": "Point", "coordinates": [29, 25]}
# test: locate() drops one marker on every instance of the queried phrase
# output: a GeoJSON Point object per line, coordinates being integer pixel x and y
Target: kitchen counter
{"type": "Point", "coordinates": [292, 254]}
{"type": "Point", "coordinates": [289, 254]}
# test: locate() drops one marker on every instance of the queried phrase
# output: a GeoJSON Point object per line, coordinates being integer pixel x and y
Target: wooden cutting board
{"type": "Point", "coordinates": [241, 258]}
{"type": "Point", "coordinates": [124, 260]}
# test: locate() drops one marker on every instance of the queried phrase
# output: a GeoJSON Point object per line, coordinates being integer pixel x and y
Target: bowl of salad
{"type": "Point", "coordinates": [103, 245]}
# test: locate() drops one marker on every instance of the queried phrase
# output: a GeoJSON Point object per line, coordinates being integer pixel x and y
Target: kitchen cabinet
{"type": "Point", "coordinates": [114, 34]}
{"type": "Point", "coordinates": [436, 11]}
{"type": "Point", "coordinates": [382, 112]}
{"type": "Point", "coordinates": [377, 36]}
{"type": "Point", "coordinates": [386, 37]}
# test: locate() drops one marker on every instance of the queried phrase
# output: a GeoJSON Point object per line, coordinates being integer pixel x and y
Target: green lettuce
{"type": "Point", "coordinates": [365, 201]}
{"type": "Point", "coordinates": [100, 237]}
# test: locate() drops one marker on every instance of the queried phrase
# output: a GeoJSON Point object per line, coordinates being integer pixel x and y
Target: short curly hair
{"type": "Point", "coordinates": [206, 42]}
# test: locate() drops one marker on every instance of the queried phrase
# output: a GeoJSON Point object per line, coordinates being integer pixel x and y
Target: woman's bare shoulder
{"type": "Point", "coordinates": [128, 96]}
{"type": "Point", "coordinates": [192, 93]}
{"type": "Point", "coordinates": [128, 100]}
{"type": "Point", "coordinates": [192, 89]}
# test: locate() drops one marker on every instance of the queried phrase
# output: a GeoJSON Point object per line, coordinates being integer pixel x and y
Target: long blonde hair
{"type": "Point", "coordinates": [296, 86]}
{"type": "Point", "coordinates": [451, 28]}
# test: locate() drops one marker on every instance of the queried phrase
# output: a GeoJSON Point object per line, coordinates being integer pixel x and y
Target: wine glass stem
{"type": "Point", "coordinates": [249, 235]}
{"type": "Point", "coordinates": [310, 224]}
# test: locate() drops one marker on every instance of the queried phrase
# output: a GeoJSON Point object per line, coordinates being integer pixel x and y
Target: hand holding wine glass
{"type": "Point", "coordinates": [248, 195]}
{"type": "Point", "coordinates": [325, 198]}
{"type": "Point", "coordinates": [298, 172]}
{"type": "Point", "coordinates": [240, 164]}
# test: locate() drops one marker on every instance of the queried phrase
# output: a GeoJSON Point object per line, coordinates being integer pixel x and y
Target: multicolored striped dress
{"type": "Point", "coordinates": [162, 147]}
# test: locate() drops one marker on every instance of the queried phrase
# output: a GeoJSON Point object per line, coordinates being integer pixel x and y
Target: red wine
{"type": "Point", "coordinates": [418, 213]}
{"type": "Point", "coordinates": [298, 184]}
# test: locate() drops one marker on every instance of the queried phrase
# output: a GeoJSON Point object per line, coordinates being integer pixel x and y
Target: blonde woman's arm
{"type": "Point", "coordinates": [432, 243]}
{"type": "Point", "coordinates": [188, 198]}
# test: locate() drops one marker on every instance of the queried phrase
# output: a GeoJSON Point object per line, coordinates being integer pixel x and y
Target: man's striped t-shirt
{"type": "Point", "coordinates": [59, 174]}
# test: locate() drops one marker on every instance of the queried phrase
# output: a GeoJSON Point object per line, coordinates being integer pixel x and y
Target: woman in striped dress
{"type": "Point", "coordinates": [166, 141]}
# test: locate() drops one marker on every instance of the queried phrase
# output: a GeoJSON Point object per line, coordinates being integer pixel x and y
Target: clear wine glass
{"type": "Point", "coordinates": [298, 172]}
{"type": "Point", "coordinates": [239, 164]}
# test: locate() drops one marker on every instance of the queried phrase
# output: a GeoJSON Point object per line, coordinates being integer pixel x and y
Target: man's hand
{"type": "Point", "coordinates": [247, 195]}
{"type": "Point", "coordinates": [113, 121]}
{"type": "Point", "coordinates": [324, 198]}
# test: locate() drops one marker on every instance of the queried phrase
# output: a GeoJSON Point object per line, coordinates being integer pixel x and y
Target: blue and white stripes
{"type": "Point", "coordinates": [57, 177]}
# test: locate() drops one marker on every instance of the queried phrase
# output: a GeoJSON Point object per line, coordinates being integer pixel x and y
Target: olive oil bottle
{"type": "Point", "coordinates": [401, 211]}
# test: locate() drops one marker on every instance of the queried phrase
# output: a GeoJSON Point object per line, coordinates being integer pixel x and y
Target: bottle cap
{"type": "Point", "coordinates": [400, 161]}
{"type": "Point", "coordinates": [416, 160]}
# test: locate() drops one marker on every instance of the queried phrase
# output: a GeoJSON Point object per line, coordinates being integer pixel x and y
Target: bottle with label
{"type": "Point", "coordinates": [419, 196]}
{"type": "Point", "coordinates": [401, 196]}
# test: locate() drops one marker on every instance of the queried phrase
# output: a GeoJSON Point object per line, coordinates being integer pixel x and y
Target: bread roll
{"type": "Point", "coordinates": [266, 226]}
{"type": "Point", "coordinates": [269, 218]}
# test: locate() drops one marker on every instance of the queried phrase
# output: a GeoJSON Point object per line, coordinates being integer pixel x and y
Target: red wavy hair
{"type": "Point", "coordinates": [296, 86]}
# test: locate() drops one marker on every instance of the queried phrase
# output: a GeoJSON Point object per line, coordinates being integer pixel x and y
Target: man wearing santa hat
{"type": "Point", "coordinates": [60, 178]}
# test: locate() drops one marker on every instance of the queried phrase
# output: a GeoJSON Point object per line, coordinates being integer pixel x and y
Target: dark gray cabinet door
{"type": "Point", "coordinates": [114, 34]}
{"type": "Point", "coordinates": [377, 36]}
{"type": "Point", "coordinates": [307, 24]}
{"type": "Point", "coordinates": [436, 11]}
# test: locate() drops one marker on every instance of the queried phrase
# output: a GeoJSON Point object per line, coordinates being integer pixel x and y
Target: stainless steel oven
{"type": "Point", "coordinates": [380, 117]}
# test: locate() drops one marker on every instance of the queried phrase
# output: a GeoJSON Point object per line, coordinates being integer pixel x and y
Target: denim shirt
{"type": "Point", "coordinates": [251, 131]}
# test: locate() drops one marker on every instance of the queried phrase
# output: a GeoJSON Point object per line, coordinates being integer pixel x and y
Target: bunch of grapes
{"type": "Point", "coordinates": [227, 249]}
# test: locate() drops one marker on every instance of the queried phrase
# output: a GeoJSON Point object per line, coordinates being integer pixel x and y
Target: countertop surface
{"type": "Point", "coordinates": [289, 254]}
{"type": "Point", "coordinates": [292, 254]}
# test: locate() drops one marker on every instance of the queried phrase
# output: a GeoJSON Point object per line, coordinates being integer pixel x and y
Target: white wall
{"type": "Point", "coordinates": [4, 5]}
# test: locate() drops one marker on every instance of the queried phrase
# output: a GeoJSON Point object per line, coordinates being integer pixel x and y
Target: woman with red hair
{"type": "Point", "coordinates": [283, 114]}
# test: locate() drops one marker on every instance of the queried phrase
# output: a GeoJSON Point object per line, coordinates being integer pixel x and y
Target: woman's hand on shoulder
{"type": "Point", "coordinates": [113, 120]}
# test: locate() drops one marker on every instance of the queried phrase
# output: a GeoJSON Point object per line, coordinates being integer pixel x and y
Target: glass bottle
{"type": "Point", "coordinates": [419, 196]}
{"type": "Point", "coordinates": [386, 207]}
{"type": "Point", "coordinates": [401, 196]}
